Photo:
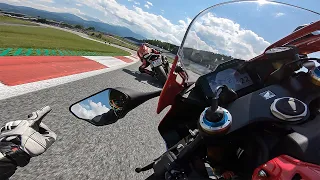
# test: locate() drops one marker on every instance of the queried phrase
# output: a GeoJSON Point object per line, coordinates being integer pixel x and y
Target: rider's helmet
{"type": "Point", "coordinates": [146, 44]}
{"type": "Point", "coordinates": [117, 100]}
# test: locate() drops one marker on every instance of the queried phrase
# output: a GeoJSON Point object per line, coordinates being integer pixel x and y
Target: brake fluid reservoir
{"type": "Point", "coordinates": [315, 76]}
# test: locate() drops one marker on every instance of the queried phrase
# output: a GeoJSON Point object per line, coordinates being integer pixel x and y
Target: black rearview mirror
{"type": "Point", "coordinates": [102, 108]}
{"type": "Point", "coordinates": [109, 105]}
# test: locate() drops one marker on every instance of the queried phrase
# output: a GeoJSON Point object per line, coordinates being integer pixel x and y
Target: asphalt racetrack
{"type": "Point", "coordinates": [83, 151]}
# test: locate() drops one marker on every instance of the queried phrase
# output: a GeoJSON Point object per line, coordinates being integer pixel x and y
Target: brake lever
{"type": "Point", "coordinates": [146, 168]}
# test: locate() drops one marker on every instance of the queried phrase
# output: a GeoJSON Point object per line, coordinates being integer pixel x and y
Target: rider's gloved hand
{"type": "Point", "coordinates": [22, 139]}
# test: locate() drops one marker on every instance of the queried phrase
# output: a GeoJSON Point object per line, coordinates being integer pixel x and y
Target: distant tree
{"type": "Point", "coordinates": [66, 25]}
{"type": "Point", "coordinates": [170, 47]}
{"type": "Point", "coordinates": [78, 26]}
{"type": "Point", "coordinates": [91, 29]}
{"type": "Point", "coordinates": [42, 20]}
{"type": "Point", "coordinates": [99, 36]}
{"type": "Point", "coordinates": [92, 34]}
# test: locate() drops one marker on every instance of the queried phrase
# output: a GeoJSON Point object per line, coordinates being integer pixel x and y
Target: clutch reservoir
{"type": "Point", "coordinates": [315, 76]}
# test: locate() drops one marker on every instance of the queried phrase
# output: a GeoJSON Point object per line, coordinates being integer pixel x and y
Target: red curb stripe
{"type": "Point", "coordinates": [15, 70]}
{"type": "Point", "coordinates": [124, 59]}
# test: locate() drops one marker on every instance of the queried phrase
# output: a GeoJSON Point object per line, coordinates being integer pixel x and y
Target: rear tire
{"type": "Point", "coordinates": [161, 74]}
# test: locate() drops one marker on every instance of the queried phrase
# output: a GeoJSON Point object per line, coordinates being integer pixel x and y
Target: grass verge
{"type": "Point", "coordinates": [6, 19]}
{"type": "Point", "coordinates": [49, 52]}
{"type": "Point", "coordinates": [49, 38]}
{"type": "Point", "coordinates": [114, 40]}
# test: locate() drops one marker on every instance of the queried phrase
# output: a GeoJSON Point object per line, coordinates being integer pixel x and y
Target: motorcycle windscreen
{"type": "Point", "coordinates": [243, 30]}
{"type": "Point", "coordinates": [237, 30]}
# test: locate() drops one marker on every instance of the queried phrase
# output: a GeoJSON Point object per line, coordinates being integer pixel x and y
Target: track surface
{"type": "Point", "coordinates": [83, 151]}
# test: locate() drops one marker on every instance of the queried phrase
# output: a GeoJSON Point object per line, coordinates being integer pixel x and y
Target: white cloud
{"type": "Point", "coordinates": [279, 14]}
{"type": "Point", "coordinates": [89, 111]}
{"type": "Point", "coordinates": [147, 6]}
{"type": "Point", "coordinates": [195, 42]}
{"type": "Point", "coordinates": [135, 2]}
{"type": "Point", "coordinates": [78, 4]}
{"type": "Point", "coordinates": [47, 1]}
{"type": "Point", "coordinates": [224, 36]}
{"type": "Point", "coordinates": [149, 3]}
{"type": "Point", "coordinates": [33, 4]}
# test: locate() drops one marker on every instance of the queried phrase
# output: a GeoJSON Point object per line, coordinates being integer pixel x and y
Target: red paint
{"type": "Point", "coordinates": [15, 70]}
{"type": "Point", "coordinates": [297, 34]}
{"type": "Point", "coordinates": [305, 45]}
{"type": "Point", "coordinates": [308, 45]}
{"type": "Point", "coordinates": [170, 89]}
{"type": "Point", "coordinates": [285, 167]}
{"type": "Point", "coordinates": [125, 59]}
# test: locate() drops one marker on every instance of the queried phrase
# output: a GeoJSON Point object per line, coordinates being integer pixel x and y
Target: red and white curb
{"type": "Point", "coordinates": [20, 76]}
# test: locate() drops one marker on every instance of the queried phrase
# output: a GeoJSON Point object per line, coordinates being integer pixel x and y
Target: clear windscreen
{"type": "Point", "coordinates": [237, 30]}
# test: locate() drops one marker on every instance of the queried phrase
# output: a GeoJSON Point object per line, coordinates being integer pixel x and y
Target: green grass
{"type": "Point", "coordinates": [49, 52]}
{"type": "Point", "coordinates": [115, 41]}
{"type": "Point", "coordinates": [49, 38]}
{"type": "Point", "coordinates": [6, 19]}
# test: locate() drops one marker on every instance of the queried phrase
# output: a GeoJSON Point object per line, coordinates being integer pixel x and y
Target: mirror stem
{"type": "Point", "coordinates": [138, 100]}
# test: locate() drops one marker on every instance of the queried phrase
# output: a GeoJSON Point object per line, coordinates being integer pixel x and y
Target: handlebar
{"type": "Point", "coordinates": [171, 163]}
{"type": "Point", "coordinates": [188, 150]}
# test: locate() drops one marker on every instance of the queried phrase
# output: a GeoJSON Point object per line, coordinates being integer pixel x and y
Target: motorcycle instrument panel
{"type": "Point", "coordinates": [230, 77]}
{"type": "Point", "coordinates": [231, 74]}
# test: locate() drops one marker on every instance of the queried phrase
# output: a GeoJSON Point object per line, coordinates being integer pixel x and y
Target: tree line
{"type": "Point", "coordinates": [64, 24]}
{"type": "Point", "coordinates": [164, 45]}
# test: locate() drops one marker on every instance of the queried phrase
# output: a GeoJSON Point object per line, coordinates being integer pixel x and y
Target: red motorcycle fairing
{"type": "Point", "coordinates": [305, 45]}
{"type": "Point", "coordinates": [171, 88]}
{"type": "Point", "coordinates": [284, 168]}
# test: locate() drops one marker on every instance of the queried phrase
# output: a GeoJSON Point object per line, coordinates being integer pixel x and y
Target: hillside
{"type": "Point", "coordinates": [72, 19]}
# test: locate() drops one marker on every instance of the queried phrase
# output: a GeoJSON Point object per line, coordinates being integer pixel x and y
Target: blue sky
{"type": "Point", "coordinates": [168, 20]}
{"type": "Point", "coordinates": [102, 97]}
{"type": "Point", "coordinates": [92, 106]}
{"type": "Point", "coordinates": [176, 10]}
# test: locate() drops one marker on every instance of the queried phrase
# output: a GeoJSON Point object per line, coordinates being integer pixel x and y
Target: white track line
{"type": "Point", "coordinates": [12, 91]}
{"type": "Point", "coordinates": [106, 60]}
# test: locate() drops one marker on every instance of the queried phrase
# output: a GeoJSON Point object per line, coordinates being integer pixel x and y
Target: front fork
{"type": "Point", "coordinates": [166, 66]}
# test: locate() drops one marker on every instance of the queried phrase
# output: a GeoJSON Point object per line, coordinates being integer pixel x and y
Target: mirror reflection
{"type": "Point", "coordinates": [117, 101]}
{"type": "Point", "coordinates": [103, 108]}
{"type": "Point", "coordinates": [93, 106]}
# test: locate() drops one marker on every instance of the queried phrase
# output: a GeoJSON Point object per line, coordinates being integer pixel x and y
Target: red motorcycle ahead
{"type": "Point", "coordinates": [241, 107]}
{"type": "Point", "coordinates": [158, 62]}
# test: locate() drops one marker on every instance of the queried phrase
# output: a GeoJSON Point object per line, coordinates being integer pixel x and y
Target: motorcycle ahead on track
{"type": "Point", "coordinates": [158, 62]}
{"type": "Point", "coordinates": [253, 111]}
{"type": "Point", "coordinates": [160, 66]}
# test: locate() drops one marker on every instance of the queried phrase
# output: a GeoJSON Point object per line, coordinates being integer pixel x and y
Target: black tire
{"type": "Point", "coordinates": [161, 74]}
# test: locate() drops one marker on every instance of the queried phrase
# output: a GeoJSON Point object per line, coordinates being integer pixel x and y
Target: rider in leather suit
{"type": "Point", "coordinates": [144, 53]}
{"type": "Point", "coordinates": [23, 139]}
